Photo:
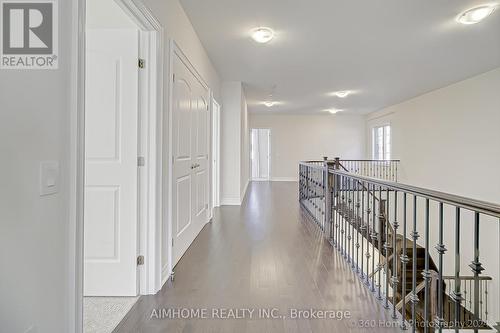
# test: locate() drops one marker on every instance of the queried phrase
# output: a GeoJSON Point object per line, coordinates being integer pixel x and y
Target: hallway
{"type": "Point", "coordinates": [262, 255]}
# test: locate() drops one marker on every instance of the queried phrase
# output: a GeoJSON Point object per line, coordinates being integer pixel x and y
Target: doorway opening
{"type": "Point", "coordinates": [215, 154]}
{"type": "Point", "coordinates": [261, 153]}
{"type": "Point", "coordinates": [122, 130]}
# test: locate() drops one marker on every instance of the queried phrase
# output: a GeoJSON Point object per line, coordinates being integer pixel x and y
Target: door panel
{"type": "Point", "coordinates": [182, 115]}
{"type": "Point", "coordinates": [183, 193]}
{"type": "Point", "coordinates": [110, 225]}
{"type": "Point", "coordinates": [182, 123]}
{"type": "Point", "coordinates": [201, 180]}
{"type": "Point", "coordinates": [202, 139]}
{"type": "Point", "coordinates": [190, 157]}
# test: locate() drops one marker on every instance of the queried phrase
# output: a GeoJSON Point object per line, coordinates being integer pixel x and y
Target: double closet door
{"type": "Point", "coordinates": [190, 149]}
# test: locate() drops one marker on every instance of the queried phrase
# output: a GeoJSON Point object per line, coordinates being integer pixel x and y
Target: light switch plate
{"type": "Point", "coordinates": [49, 177]}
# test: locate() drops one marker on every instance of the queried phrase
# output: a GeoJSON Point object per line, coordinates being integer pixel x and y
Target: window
{"type": "Point", "coordinates": [382, 142]}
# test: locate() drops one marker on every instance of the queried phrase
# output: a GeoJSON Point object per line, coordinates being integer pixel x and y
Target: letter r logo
{"type": "Point", "coordinates": [27, 27]}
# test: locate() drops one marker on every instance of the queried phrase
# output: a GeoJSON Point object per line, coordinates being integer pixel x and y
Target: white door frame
{"type": "Point", "coordinates": [174, 49]}
{"type": "Point", "coordinates": [215, 154]}
{"type": "Point", "coordinates": [150, 147]}
{"type": "Point", "coordinates": [269, 162]}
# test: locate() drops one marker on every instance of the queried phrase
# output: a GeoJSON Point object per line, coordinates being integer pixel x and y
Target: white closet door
{"type": "Point", "coordinates": [190, 140]}
{"type": "Point", "coordinates": [201, 133]}
{"type": "Point", "coordinates": [110, 225]}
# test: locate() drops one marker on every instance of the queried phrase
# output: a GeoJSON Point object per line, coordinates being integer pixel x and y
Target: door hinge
{"type": "Point", "coordinates": [173, 77]}
{"type": "Point", "coordinates": [142, 63]}
{"type": "Point", "coordinates": [140, 260]}
{"type": "Point", "coordinates": [172, 242]}
{"type": "Point", "coordinates": [141, 161]}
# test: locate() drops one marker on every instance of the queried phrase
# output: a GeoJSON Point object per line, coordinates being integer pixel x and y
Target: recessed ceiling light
{"type": "Point", "coordinates": [262, 35]}
{"type": "Point", "coordinates": [333, 111]}
{"type": "Point", "coordinates": [342, 94]}
{"type": "Point", "coordinates": [476, 14]}
{"type": "Point", "coordinates": [269, 104]}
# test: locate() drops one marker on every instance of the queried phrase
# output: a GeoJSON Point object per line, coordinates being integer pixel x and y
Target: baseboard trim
{"type": "Point", "coordinates": [165, 275]}
{"type": "Point", "coordinates": [283, 179]}
{"type": "Point", "coordinates": [242, 198]}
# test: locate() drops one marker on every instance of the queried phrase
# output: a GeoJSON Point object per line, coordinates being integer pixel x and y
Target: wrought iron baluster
{"type": "Point", "coordinates": [477, 269]}
{"type": "Point", "coordinates": [395, 280]}
{"type": "Point", "coordinates": [356, 224]}
{"type": "Point", "coordinates": [343, 231]}
{"type": "Point", "coordinates": [404, 262]}
{"type": "Point", "coordinates": [486, 300]}
{"type": "Point", "coordinates": [374, 236]}
{"type": "Point", "coordinates": [362, 229]}
{"type": "Point", "coordinates": [380, 250]}
{"type": "Point", "coordinates": [387, 248]}
{"type": "Point", "coordinates": [414, 296]}
{"type": "Point", "coordinates": [337, 211]}
{"type": "Point", "coordinates": [457, 295]}
{"type": "Point", "coordinates": [426, 273]}
{"type": "Point", "coordinates": [441, 249]}
{"type": "Point", "coordinates": [351, 221]}
{"type": "Point", "coordinates": [349, 213]}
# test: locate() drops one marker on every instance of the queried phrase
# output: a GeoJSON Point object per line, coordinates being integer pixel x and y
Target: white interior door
{"type": "Point", "coordinates": [260, 155]}
{"type": "Point", "coordinates": [111, 113]}
{"type": "Point", "coordinates": [190, 146]}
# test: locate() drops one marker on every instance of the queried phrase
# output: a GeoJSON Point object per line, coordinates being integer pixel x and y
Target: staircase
{"type": "Point", "coordinates": [466, 318]}
{"type": "Point", "coordinates": [382, 228]}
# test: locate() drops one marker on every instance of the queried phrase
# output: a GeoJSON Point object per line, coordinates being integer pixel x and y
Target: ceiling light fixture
{"type": "Point", "coordinates": [476, 14]}
{"type": "Point", "coordinates": [269, 104]}
{"type": "Point", "coordinates": [262, 35]}
{"type": "Point", "coordinates": [333, 111]}
{"type": "Point", "coordinates": [342, 94]}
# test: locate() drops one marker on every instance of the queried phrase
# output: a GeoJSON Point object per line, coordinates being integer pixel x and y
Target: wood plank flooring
{"type": "Point", "coordinates": [263, 255]}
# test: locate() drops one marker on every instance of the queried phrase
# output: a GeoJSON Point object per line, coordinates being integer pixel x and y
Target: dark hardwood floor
{"type": "Point", "coordinates": [262, 255]}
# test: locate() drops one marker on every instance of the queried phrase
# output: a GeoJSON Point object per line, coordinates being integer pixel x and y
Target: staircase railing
{"type": "Point", "coordinates": [394, 226]}
{"type": "Point", "coordinates": [381, 169]}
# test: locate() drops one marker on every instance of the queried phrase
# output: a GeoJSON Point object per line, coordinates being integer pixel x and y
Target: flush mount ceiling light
{"type": "Point", "coordinates": [269, 104]}
{"type": "Point", "coordinates": [262, 35]}
{"type": "Point", "coordinates": [333, 111]}
{"type": "Point", "coordinates": [476, 14]}
{"type": "Point", "coordinates": [342, 94]}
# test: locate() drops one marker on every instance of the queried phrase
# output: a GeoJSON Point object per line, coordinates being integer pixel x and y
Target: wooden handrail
{"type": "Point", "coordinates": [468, 278]}
{"type": "Point", "coordinates": [407, 298]}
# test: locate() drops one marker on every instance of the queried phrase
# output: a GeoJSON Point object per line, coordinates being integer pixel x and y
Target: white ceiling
{"type": "Point", "coordinates": [386, 50]}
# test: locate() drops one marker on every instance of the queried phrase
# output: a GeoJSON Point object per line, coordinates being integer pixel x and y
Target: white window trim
{"type": "Point", "coordinates": [373, 140]}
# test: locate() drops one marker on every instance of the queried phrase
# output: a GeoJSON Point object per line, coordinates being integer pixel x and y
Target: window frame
{"type": "Point", "coordinates": [386, 142]}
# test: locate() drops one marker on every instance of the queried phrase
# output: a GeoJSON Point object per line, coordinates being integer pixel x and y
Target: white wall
{"type": "Point", "coordinates": [35, 124]}
{"type": "Point", "coordinates": [178, 27]}
{"type": "Point", "coordinates": [106, 14]}
{"type": "Point", "coordinates": [449, 140]}
{"type": "Point", "coordinates": [296, 138]}
{"type": "Point", "coordinates": [232, 142]}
